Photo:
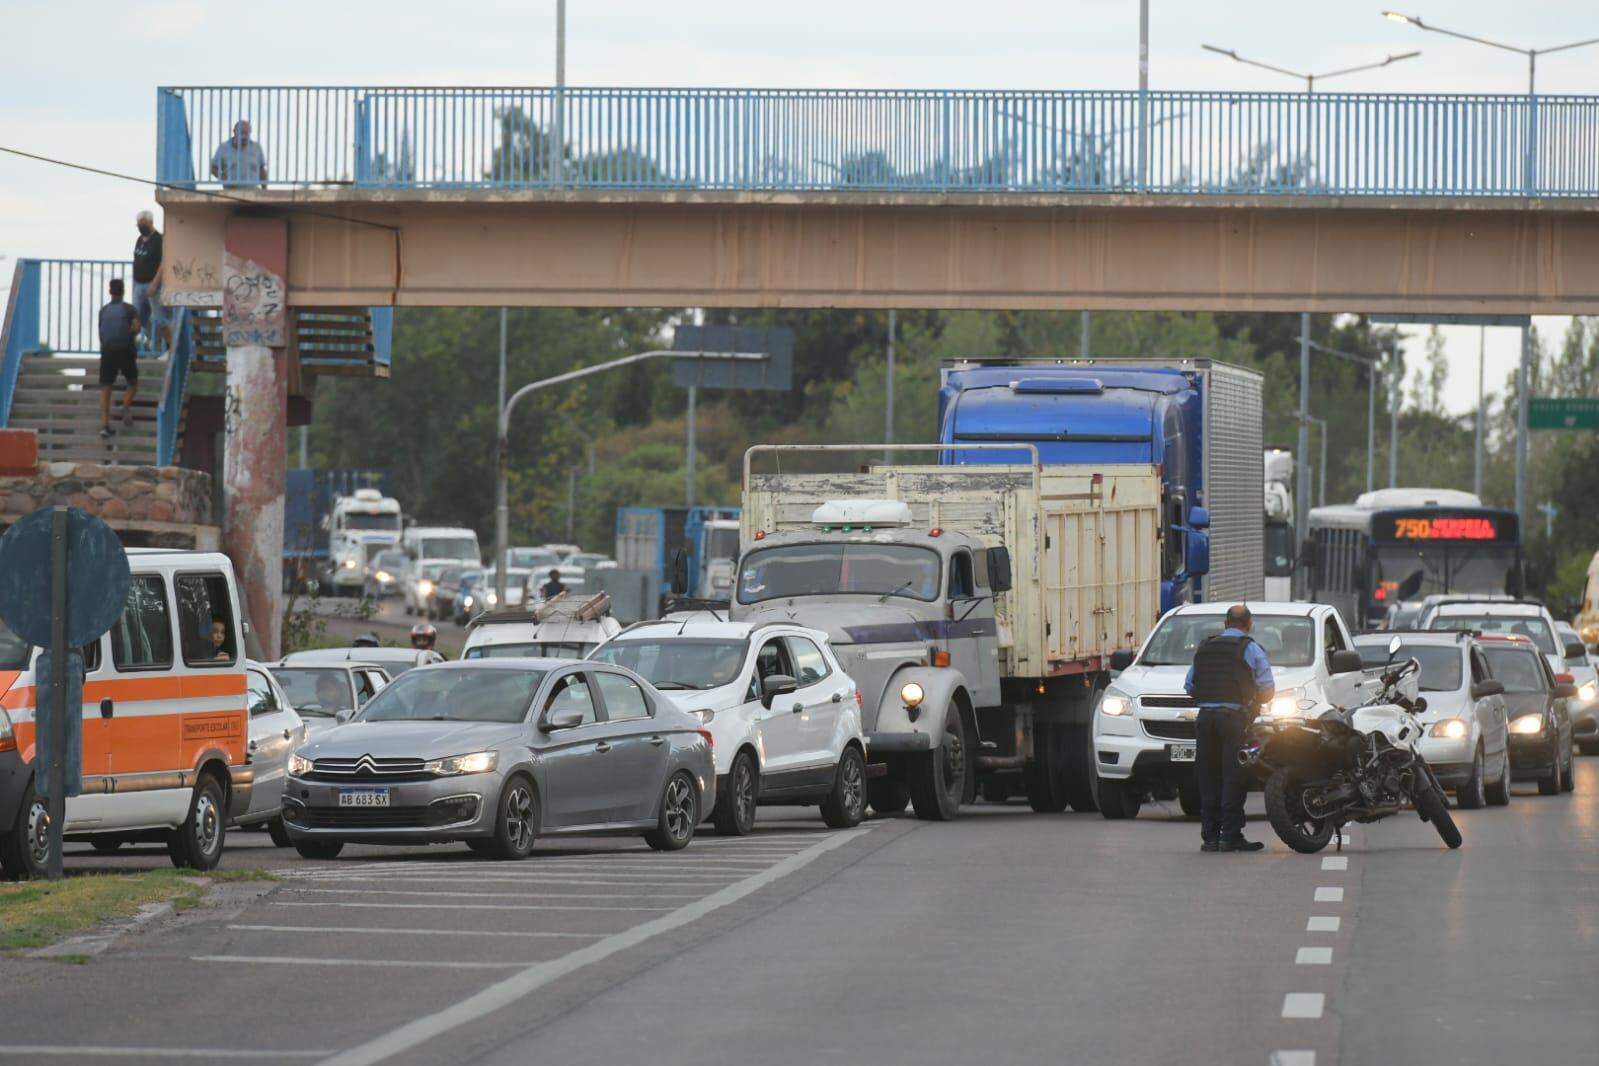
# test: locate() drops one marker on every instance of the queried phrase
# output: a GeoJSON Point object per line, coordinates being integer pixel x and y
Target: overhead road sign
{"type": "Point", "coordinates": [1574, 412]}
{"type": "Point", "coordinates": [775, 373]}
{"type": "Point", "coordinates": [1449, 320]}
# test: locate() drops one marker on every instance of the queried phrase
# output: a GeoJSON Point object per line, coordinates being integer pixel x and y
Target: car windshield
{"type": "Point", "coordinates": [531, 558]}
{"type": "Point", "coordinates": [829, 569]}
{"type": "Point", "coordinates": [721, 543]}
{"type": "Point", "coordinates": [1287, 640]}
{"type": "Point", "coordinates": [320, 692]}
{"type": "Point", "coordinates": [456, 695]}
{"type": "Point", "coordinates": [371, 521]}
{"type": "Point", "coordinates": [1440, 664]}
{"type": "Point", "coordinates": [14, 650]}
{"type": "Point", "coordinates": [1517, 668]}
{"type": "Point", "coordinates": [679, 664]}
{"type": "Point", "coordinates": [537, 649]}
{"type": "Point", "coordinates": [449, 548]}
{"type": "Point", "coordinates": [586, 559]}
{"type": "Point", "coordinates": [432, 571]}
{"type": "Point", "coordinates": [389, 560]}
{"type": "Point", "coordinates": [1527, 626]}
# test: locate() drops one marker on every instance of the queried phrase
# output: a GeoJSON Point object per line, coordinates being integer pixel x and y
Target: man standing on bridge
{"type": "Point", "coordinates": [1229, 679]}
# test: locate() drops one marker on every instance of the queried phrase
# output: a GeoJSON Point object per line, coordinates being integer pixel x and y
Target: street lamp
{"type": "Point", "coordinates": [1371, 405]}
{"type": "Point", "coordinates": [1522, 372]}
{"type": "Point", "coordinates": [1302, 488]}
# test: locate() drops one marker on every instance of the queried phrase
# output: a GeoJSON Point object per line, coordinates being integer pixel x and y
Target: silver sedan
{"type": "Point", "coordinates": [496, 752]}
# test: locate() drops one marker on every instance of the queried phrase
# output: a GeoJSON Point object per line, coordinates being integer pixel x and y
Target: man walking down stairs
{"type": "Point", "coordinates": [119, 354]}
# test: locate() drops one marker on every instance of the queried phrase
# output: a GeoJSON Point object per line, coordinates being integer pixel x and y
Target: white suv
{"type": "Point", "coordinates": [1144, 727]}
{"type": "Point", "coordinates": [785, 718]}
{"type": "Point", "coordinates": [1500, 616]}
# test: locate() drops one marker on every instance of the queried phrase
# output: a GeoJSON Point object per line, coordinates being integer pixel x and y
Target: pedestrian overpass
{"type": "Point", "coordinates": [1429, 203]}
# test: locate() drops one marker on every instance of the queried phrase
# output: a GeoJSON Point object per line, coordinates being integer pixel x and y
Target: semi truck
{"type": "Point", "coordinates": [1197, 420]}
{"type": "Point", "coordinates": [649, 539]}
{"type": "Point", "coordinates": [979, 608]}
{"type": "Point", "coordinates": [308, 528]}
{"type": "Point", "coordinates": [1277, 533]}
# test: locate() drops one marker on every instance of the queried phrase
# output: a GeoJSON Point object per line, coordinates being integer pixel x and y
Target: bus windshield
{"type": "Point", "coordinates": [1453, 568]}
{"type": "Point", "coordinates": [449, 548]}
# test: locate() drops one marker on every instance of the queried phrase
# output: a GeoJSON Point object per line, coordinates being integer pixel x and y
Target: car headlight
{"type": "Point", "coordinates": [383, 576]}
{"type": "Point", "coordinates": [466, 601]}
{"type": "Point", "coordinates": [1115, 704]}
{"type": "Point", "coordinates": [494, 599]}
{"type": "Point", "coordinates": [298, 766]}
{"type": "Point", "coordinates": [479, 762]}
{"type": "Point", "coordinates": [912, 694]}
{"type": "Point", "coordinates": [1449, 729]}
{"type": "Point", "coordinates": [1588, 692]}
{"type": "Point", "coordinates": [1528, 725]}
{"type": "Point", "coordinates": [1286, 703]}
{"type": "Point", "coordinates": [424, 587]}
{"type": "Point", "coordinates": [349, 564]}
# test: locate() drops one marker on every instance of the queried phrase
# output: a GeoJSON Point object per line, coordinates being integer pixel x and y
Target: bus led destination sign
{"type": "Point", "coordinates": [1477, 527]}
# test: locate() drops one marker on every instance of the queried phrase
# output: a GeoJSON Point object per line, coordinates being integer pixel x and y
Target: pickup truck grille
{"type": "Point", "coordinates": [1170, 730]}
{"type": "Point", "coordinates": [1173, 702]}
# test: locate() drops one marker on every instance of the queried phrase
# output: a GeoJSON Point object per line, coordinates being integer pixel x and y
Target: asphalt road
{"type": "Point", "coordinates": [1005, 937]}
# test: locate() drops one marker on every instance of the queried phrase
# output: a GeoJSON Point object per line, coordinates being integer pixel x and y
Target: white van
{"type": "Point", "coordinates": [165, 721]}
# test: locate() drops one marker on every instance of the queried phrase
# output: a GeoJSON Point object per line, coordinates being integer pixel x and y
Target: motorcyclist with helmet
{"type": "Point", "coordinates": [423, 636]}
{"type": "Point", "coordinates": [1230, 677]}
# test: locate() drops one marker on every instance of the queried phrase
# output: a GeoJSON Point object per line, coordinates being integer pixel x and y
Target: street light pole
{"type": "Point", "coordinates": [1371, 426]}
{"type": "Point", "coordinates": [888, 413]}
{"type": "Point", "coordinates": [1310, 80]}
{"type": "Point", "coordinates": [560, 93]}
{"type": "Point", "coordinates": [1482, 360]}
{"type": "Point", "coordinates": [1143, 94]}
{"type": "Point", "coordinates": [502, 506]}
{"type": "Point", "coordinates": [1302, 456]}
{"type": "Point", "coordinates": [1395, 393]}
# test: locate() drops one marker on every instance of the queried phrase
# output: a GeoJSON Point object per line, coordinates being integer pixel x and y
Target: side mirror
{"type": "Point", "coordinates": [1576, 650]}
{"type": "Point", "coordinates": [1484, 689]}
{"type": "Point", "coordinates": [775, 685]}
{"type": "Point", "coordinates": [344, 716]}
{"type": "Point", "coordinates": [1345, 662]}
{"type": "Point", "coordinates": [1410, 586]}
{"type": "Point", "coordinates": [1310, 554]}
{"type": "Point", "coordinates": [1121, 659]}
{"type": "Point", "coordinates": [567, 718]}
{"type": "Point", "coordinates": [1565, 690]}
{"type": "Point", "coordinates": [999, 575]}
{"type": "Point", "coordinates": [1420, 706]}
{"type": "Point", "coordinates": [1196, 548]}
{"type": "Point", "coordinates": [1198, 518]}
{"type": "Point", "coordinates": [677, 572]}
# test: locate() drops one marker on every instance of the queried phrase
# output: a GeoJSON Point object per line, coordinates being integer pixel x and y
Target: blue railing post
{"type": "Point", "coordinates": [1529, 178]}
{"type": "Point", "coordinates": [174, 147]}
{"type": "Point", "coordinates": [169, 415]}
{"type": "Point", "coordinates": [363, 141]}
{"type": "Point", "coordinates": [19, 332]}
{"type": "Point", "coordinates": [382, 319]}
{"type": "Point", "coordinates": [946, 149]}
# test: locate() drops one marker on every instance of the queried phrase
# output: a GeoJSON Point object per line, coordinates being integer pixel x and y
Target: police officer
{"type": "Point", "coordinates": [1229, 679]}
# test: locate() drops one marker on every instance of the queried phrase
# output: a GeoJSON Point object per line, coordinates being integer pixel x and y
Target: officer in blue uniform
{"type": "Point", "coordinates": [1230, 677]}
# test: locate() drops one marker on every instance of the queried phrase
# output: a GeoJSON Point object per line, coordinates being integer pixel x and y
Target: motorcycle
{"type": "Point", "coordinates": [1354, 765]}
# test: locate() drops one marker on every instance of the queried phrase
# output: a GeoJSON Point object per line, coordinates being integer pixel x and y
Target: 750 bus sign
{"type": "Point", "coordinates": [1436, 526]}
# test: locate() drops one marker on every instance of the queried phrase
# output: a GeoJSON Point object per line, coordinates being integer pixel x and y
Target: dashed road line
{"type": "Point", "coordinates": [124, 1052]}
{"type": "Point", "coordinates": [1329, 894]}
{"type": "Point", "coordinates": [345, 960]}
{"type": "Point", "coordinates": [1335, 862]}
{"type": "Point", "coordinates": [1292, 1058]}
{"type": "Point", "coordinates": [434, 893]}
{"type": "Point", "coordinates": [382, 931]}
{"type": "Point", "coordinates": [1323, 923]}
{"type": "Point", "coordinates": [462, 906]}
{"type": "Point", "coordinates": [1313, 956]}
{"type": "Point", "coordinates": [1303, 1004]}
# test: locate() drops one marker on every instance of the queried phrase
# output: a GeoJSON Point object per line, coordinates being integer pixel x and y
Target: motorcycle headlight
{"type": "Point", "coordinates": [1115, 704]}
{"type": "Point", "coordinates": [479, 762]}
{"type": "Point", "coordinates": [466, 601]}
{"type": "Point", "coordinates": [1448, 729]}
{"type": "Point", "coordinates": [424, 587]}
{"type": "Point", "coordinates": [383, 576]}
{"type": "Point", "coordinates": [912, 694]}
{"type": "Point", "coordinates": [1528, 725]}
{"type": "Point", "coordinates": [1286, 704]}
{"type": "Point", "coordinates": [1588, 692]}
{"type": "Point", "coordinates": [298, 766]}
{"type": "Point", "coordinates": [349, 564]}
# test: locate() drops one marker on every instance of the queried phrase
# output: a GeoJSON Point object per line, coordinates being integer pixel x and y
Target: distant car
{"type": "Point", "coordinates": [785, 715]}
{"type": "Point", "coordinates": [589, 560]}
{"type": "Point", "coordinates": [1540, 727]}
{"type": "Point", "coordinates": [1497, 615]}
{"type": "Point", "coordinates": [453, 583]}
{"type": "Point", "coordinates": [1584, 706]}
{"type": "Point", "coordinates": [1467, 743]}
{"type": "Point", "coordinates": [275, 731]}
{"type": "Point", "coordinates": [568, 627]}
{"type": "Point", "coordinates": [320, 693]}
{"type": "Point", "coordinates": [563, 552]}
{"type": "Point", "coordinates": [420, 583]}
{"type": "Point", "coordinates": [1401, 615]}
{"type": "Point", "coordinates": [384, 572]}
{"type": "Point", "coordinates": [484, 594]}
{"type": "Point", "coordinates": [498, 752]}
{"type": "Point", "coordinates": [394, 661]}
{"type": "Point", "coordinates": [531, 558]}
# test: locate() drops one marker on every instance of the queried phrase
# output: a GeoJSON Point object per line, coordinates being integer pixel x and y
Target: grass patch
{"type": "Point", "coordinates": [38, 913]}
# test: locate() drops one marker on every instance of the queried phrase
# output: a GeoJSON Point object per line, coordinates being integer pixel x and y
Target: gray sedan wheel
{"type": "Point", "coordinates": [680, 813]}
{"type": "Point", "coordinates": [518, 822]}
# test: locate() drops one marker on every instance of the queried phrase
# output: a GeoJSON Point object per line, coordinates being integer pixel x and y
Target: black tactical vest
{"type": "Point", "coordinates": [1221, 675]}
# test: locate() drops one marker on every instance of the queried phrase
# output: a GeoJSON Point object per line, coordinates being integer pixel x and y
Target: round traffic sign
{"type": "Point", "coordinates": [97, 577]}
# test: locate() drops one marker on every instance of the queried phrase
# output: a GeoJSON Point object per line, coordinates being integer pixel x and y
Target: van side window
{"type": "Point", "coordinates": [142, 637]}
{"type": "Point", "coordinates": [205, 620]}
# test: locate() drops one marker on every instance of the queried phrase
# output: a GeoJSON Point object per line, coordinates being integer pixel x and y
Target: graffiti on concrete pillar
{"type": "Point", "coordinates": [232, 409]}
{"type": "Point", "coordinates": [254, 305]}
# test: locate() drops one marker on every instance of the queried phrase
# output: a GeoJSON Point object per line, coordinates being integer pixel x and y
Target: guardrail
{"type": "Point", "coordinates": [1344, 144]}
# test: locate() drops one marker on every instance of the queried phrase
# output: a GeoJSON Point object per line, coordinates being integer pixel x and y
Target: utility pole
{"type": "Point", "coordinates": [1371, 425]}
{"type": "Point", "coordinates": [1082, 337]}
{"type": "Point", "coordinates": [1302, 452]}
{"type": "Point", "coordinates": [1482, 360]}
{"type": "Point", "coordinates": [1523, 385]}
{"type": "Point", "coordinates": [1395, 394]}
{"type": "Point", "coordinates": [502, 505]}
{"type": "Point", "coordinates": [560, 91]}
{"type": "Point", "coordinates": [688, 490]}
{"type": "Point", "coordinates": [1143, 94]}
{"type": "Point", "coordinates": [888, 414]}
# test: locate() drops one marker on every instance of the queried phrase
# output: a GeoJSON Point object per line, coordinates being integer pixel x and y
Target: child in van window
{"type": "Point", "coordinates": [219, 640]}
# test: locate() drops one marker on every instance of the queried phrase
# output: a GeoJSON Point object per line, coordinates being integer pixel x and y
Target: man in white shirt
{"type": "Point", "coordinates": [238, 161]}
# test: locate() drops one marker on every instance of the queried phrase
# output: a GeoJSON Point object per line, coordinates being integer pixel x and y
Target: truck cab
{"type": "Point", "coordinates": [359, 527]}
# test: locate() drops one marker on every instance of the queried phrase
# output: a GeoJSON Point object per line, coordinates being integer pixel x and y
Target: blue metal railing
{"type": "Point", "coordinates": [19, 332]}
{"type": "Point", "coordinates": [1345, 144]}
{"type": "Point", "coordinates": [169, 413]}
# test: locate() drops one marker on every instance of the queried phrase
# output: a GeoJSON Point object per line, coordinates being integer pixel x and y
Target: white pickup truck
{"type": "Point", "coordinates": [1143, 732]}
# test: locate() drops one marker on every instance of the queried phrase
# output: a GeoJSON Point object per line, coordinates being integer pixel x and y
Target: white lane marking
{"type": "Point", "coordinates": [533, 883]}
{"type": "Point", "coordinates": [461, 906]}
{"type": "Point", "coordinates": [1292, 1058]}
{"type": "Point", "coordinates": [410, 932]}
{"type": "Point", "coordinates": [296, 960]}
{"type": "Point", "coordinates": [478, 895]}
{"type": "Point", "coordinates": [124, 1051]}
{"type": "Point", "coordinates": [1335, 862]}
{"type": "Point", "coordinates": [508, 991]}
{"type": "Point", "coordinates": [1322, 923]}
{"type": "Point", "coordinates": [1313, 957]}
{"type": "Point", "coordinates": [1329, 894]}
{"type": "Point", "coordinates": [1295, 1005]}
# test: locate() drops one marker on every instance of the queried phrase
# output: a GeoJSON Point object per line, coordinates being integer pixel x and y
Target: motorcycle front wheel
{"type": "Point", "coordinates": [1430, 805]}
{"type": "Point", "coordinates": [1286, 809]}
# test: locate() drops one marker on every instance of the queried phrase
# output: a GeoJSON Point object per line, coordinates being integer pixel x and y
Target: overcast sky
{"type": "Point", "coordinates": [80, 76]}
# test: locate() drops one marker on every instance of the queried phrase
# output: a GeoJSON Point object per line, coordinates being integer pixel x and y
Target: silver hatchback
{"type": "Point", "coordinates": [495, 752]}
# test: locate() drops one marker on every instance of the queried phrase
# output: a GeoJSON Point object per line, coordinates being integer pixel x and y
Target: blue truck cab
{"type": "Point", "coordinates": [1195, 419]}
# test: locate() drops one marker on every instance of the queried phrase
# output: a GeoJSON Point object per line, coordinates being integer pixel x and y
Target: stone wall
{"type": "Point", "coordinates": [150, 506]}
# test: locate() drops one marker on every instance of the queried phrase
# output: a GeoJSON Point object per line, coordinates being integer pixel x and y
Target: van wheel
{"type": "Point", "coordinates": [1499, 792]}
{"type": "Point", "coordinates": [197, 843]}
{"type": "Point", "coordinates": [279, 835]}
{"type": "Point", "coordinates": [845, 806]}
{"type": "Point", "coordinates": [1473, 794]}
{"type": "Point", "coordinates": [24, 848]}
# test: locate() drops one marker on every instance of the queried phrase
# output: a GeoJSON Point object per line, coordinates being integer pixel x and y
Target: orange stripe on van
{"type": "Point", "coordinates": [144, 688]}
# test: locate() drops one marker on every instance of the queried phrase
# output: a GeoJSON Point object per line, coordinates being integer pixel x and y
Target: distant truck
{"type": "Point", "coordinates": [648, 538]}
{"type": "Point", "coordinates": [1277, 533]}
{"type": "Point", "coordinates": [978, 608]}
{"type": "Point", "coordinates": [1197, 420]}
{"type": "Point", "coordinates": [308, 505]}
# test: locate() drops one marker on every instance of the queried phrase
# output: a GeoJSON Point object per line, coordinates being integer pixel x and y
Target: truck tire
{"type": "Point", "coordinates": [938, 777]}
{"type": "Point", "coordinates": [1045, 775]}
{"type": "Point", "coordinates": [1119, 799]}
{"type": "Point", "coordinates": [888, 795]}
{"type": "Point", "coordinates": [197, 843]}
{"type": "Point", "coordinates": [1077, 752]}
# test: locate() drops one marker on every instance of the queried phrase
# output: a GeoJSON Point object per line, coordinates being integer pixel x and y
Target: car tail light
{"type": "Point", "coordinates": [710, 741]}
{"type": "Point", "coordinates": [860, 701]}
{"type": "Point", "coordinates": [1565, 679]}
